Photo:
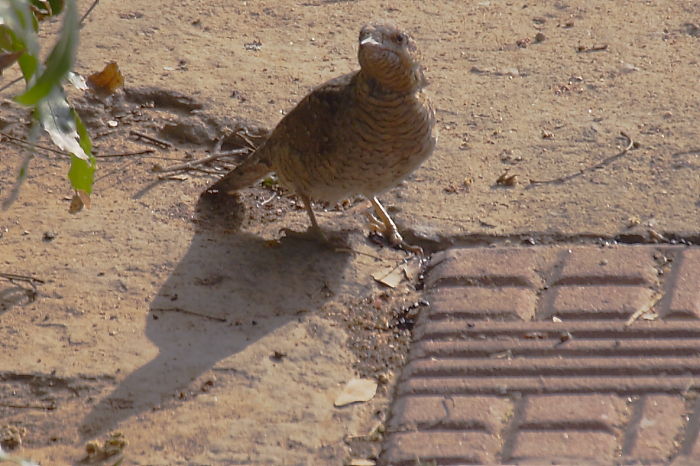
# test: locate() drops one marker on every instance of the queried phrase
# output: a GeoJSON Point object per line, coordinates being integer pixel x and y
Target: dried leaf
{"type": "Point", "coordinates": [412, 269]}
{"type": "Point", "coordinates": [361, 462]}
{"type": "Point", "coordinates": [390, 278]}
{"type": "Point", "coordinates": [356, 390]}
{"type": "Point", "coordinates": [108, 80]}
{"type": "Point", "coordinates": [80, 199]}
{"type": "Point", "coordinates": [507, 180]}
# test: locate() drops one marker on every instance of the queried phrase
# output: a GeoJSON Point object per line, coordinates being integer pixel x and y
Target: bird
{"type": "Point", "coordinates": [360, 133]}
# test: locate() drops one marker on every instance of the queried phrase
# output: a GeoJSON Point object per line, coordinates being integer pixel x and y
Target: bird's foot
{"type": "Point", "coordinates": [391, 234]}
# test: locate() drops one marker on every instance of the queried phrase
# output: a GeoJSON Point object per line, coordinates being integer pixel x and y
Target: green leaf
{"type": "Point", "coordinates": [28, 64]}
{"type": "Point", "coordinates": [8, 41]}
{"type": "Point", "coordinates": [59, 62]}
{"type": "Point", "coordinates": [17, 17]}
{"type": "Point", "coordinates": [81, 173]}
{"type": "Point", "coordinates": [84, 141]}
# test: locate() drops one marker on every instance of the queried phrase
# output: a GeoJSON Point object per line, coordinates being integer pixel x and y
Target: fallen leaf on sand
{"type": "Point", "coordinates": [108, 80]}
{"type": "Point", "coordinates": [390, 278]}
{"type": "Point", "coordinates": [361, 462]}
{"type": "Point", "coordinates": [356, 390]}
{"type": "Point", "coordinates": [80, 199]}
{"type": "Point", "coordinates": [411, 269]}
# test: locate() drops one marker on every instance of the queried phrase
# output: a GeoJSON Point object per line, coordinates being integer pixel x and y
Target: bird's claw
{"type": "Point", "coordinates": [392, 235]}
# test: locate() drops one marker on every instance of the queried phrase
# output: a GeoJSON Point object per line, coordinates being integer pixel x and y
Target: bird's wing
{"type": "Point", "coordinates": [312, 126]}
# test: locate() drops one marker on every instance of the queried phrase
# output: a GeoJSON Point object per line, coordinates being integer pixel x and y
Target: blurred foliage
{"type": "Point", "coordinates": [44, 94]}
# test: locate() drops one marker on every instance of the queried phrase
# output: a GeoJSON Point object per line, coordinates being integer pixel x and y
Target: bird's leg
{"type": "Point", "coordinates": [310, 211]}
{"type": "Point", "coordinates": [390, 231]}
{"type": "Point", "coordinates": [315, 230]}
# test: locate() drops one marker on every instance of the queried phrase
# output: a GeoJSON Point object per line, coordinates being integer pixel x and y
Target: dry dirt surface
{"type": "Point", "coordinates": [202, 333]}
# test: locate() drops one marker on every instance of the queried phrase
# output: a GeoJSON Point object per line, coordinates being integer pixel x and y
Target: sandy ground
{"type": "Point", "coordinates": [207, 337]}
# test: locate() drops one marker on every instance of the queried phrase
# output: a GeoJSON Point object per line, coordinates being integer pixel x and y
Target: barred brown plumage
{"type": "Point", "coordinates": [360, 133]}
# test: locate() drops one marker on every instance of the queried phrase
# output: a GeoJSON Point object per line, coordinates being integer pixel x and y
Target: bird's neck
{"type": "Point", "coordinates": [370, 86]}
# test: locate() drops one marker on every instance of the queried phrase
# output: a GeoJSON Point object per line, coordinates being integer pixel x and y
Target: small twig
{"type": "Point", "coordinates": [244, 135]}
{"type": "Point", "coordinates": [228, 153]}
{"type": "Point", "coordinates": [126, 154]}
{"type": "Point", "coordinates": [630, 145]}
{"type": "Point", "coordinates": [172, 178]}
{"type": "Point", "coordinates": [267, 201]}
{"type": "Point", "coordinates": [89, 10]}
{"type": "Point", "coordinates": [20, 278]}
{"type": "Point", "coordinates": [52, 324]}
{"type": "Point", "coordinates": [204, 170]}
{"type": "Point", "coordinates": [192, 163]}
{"type": "Point", "coordinates": [11, 83]}
{"type": "Point", "coordinates": [13, 278]}
{"type": "Point", "coordinates": [160, 142]}
{"type": "Point", "coordinates": [49, 407]}
{"type": "Point", "coordinates": [595, 48]}
{"type": "Point", "coordinates": [352, 251]}
{"type": "Point", "coordinates": [26, 144]}
{"type": "Point", "coordinates": [185, 311]}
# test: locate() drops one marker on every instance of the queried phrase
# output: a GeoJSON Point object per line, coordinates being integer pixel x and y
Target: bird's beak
{"type": "Point", "coordinates": [369, 40]}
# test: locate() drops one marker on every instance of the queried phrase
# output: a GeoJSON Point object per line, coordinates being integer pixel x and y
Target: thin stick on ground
{"type": "Point", "coordinates": [160, 142]}
{"type": "Point", "coordinates": [20, 278]}
{"type": "Point", "coordinates": [193, 163]}
{"type": "Point", "coordinates": [193, 313]}
{"type": "Point", "coordinates": [243, 134]}
{"type": "Point", "coordinates": [268, 200]}
{"type": "Point", "coordinates": [11, 83]}
{"type": "Point", "coordinates": [361, 253]}
{"type": "Point", "coordinates": [125, 154]}
{"type": "Point", "coordinates": [49, 407]}
{"type": "Point", "coordinates": [87, 13]}
{"type": "Point", "coordinates": [26, 144]}
{"type": "Point", "coordinates": [563, 179]}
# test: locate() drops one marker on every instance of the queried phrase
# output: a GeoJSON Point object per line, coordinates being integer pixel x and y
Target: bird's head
{"type": "Point", "coordinates": [390, 57]}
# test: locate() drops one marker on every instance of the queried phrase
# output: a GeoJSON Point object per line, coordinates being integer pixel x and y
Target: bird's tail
{"type": "Point", "coordinates": [246, 174]}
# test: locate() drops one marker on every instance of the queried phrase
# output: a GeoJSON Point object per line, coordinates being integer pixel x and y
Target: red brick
{"type": "Point", "coordinates": [684, 286]}
{"type": "Point", "coordinates": [566, 447]}
{"type": "Point", "coordinates": [588, 389]}
{"type": "Point", "coordinates": [487, 267]}
{"type": "Point", "coordinates": [659, 426]}
{"type": "Point", "coordinates": [475, 413]}
{"type": "Point", "coordinates": [545, 384]}
{"type": "Point", "coordinates": [593, 412]}
{"type": "Point", "coordinates": [465, 329]}
{"type": "Point", "coordinates": [593, 265]}
{"type": "Point", "coordinates": [509, 348]}
{"type": "Point", "coordinates": [507, 303]}
{"type": "Point", "coordinates": [554, 366]}
{"type": "Point", "coordinates": [597, 302]}
{"type": "Point", "coordinates": [410, 448]}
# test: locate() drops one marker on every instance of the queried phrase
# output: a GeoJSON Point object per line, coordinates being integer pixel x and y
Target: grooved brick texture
{"type": "Point", "coordinates": [540, 355]}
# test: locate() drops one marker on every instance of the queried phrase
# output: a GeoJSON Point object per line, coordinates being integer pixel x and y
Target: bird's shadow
{"type": "Point", "coordinates": [228, 290]}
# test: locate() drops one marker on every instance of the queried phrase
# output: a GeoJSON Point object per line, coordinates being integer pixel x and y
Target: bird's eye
{"type": "Point", "coordinates": [399, 38]}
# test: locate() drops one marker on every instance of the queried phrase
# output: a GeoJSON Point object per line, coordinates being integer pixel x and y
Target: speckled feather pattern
{"type": "Point", "coordinates": [361, 133]}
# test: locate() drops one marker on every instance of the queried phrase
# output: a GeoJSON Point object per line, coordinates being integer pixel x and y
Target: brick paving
{"type": "Point", "coordinates": [554, 355]}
